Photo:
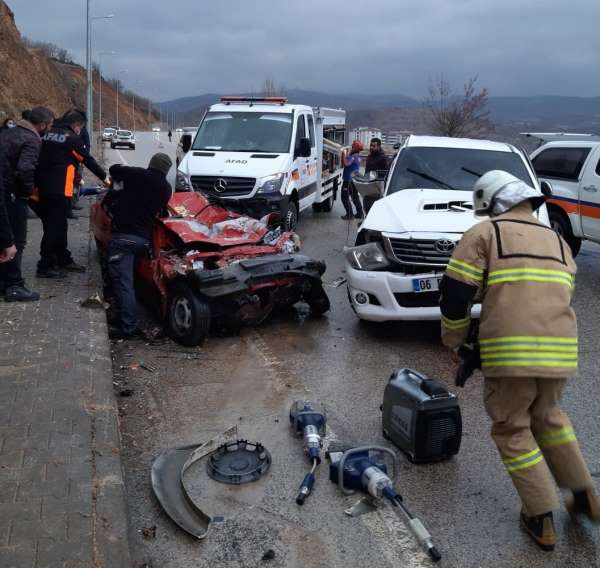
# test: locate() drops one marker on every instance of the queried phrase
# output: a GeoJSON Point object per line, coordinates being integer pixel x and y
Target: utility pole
{"type": "Point", "coordinates": [88, 69]}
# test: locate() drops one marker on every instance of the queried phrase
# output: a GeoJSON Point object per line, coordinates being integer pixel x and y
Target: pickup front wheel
{"type": "Point", "coordinates": [561, 225]}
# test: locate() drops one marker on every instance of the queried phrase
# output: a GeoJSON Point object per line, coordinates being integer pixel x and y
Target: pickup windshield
{"type": "Point", "coordinates": [245, 132]}
{"type": "Point", "coordinates": [451, 168]}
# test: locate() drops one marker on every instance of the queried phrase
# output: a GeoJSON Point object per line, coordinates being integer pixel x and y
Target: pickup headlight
{"type": "Point", "coordinates": [367, 257]}
{"type": "Point", "coordinates": [183, 182]}
{"type": "Point", "coordinates": [271, 184]}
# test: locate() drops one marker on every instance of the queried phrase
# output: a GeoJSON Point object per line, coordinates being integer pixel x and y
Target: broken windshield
{"type": "Point", "coordinates": [245, 132]}
{"type": "Point", "coordinates": [451, 168]}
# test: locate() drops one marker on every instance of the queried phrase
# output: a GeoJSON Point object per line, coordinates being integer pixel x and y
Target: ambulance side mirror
{"type": "Point", "coordinates": [303, 148]}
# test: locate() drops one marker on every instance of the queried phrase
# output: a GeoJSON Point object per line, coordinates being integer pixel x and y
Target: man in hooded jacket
{"type": "Point", "coordinates": [528, 347]}
{"type": "Point", "coordinates": [21, 146]}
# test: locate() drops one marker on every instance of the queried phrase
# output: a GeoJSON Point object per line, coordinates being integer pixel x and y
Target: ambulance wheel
{"type": "Point", "coordinates": [291, 216]}
{"type": "Point", "coordinates": [188, 316]}
{"type": "Point", "coordinates": [324, 207]}
{"type": "Point", "coordinates": [561, 225]}
{"type": "Point", "coordinates": [317, 301]}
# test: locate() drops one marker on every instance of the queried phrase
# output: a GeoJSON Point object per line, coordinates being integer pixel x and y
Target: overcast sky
{"type": "Point", "coordinates": [179, 48]}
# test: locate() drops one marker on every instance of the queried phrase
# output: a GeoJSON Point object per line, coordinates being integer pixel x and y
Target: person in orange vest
{"type": "Point", "coordinates": [63, 150]}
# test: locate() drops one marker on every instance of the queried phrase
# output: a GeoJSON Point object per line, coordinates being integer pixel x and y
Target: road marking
{"type": "Point", "coordinates": [123, 160]}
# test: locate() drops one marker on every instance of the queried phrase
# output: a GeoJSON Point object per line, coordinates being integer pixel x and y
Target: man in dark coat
{"type": "Point", "coordinates": [63, 151]}
{"type": "Point", "coordinates": [144, 194]}
{"type": "Point", "coordinates": [21, 147]}
{"type": "Point", "coordinates": [378, 163]}
{"type": "Point", "coordinates": [8, 250]}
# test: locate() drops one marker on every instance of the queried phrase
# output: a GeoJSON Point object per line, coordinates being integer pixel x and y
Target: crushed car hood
{"type": "Point", "coordinates": [421, 210]}
{"type": "Point", "coordinates": [197, 221]}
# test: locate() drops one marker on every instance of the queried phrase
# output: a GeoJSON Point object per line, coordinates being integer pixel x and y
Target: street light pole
{"type": "Point", "coordinates": [89, 107]}
{"type": "Point", "coordinates": [100, 78]}
{"type": "Point", "coordinates": [88, 68]}
{"type": "Point", "coordinates": [118, 84]}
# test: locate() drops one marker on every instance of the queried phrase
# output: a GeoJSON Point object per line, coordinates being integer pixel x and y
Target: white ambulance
{"type": "Point", "coordinates": [264, 155]}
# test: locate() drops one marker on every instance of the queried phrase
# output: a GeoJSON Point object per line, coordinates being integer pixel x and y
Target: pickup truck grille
{"type": "Point", "coordinates": [234, 186]}
{"type": "Point", "coordinates": [422, 300]}
{"type": "Point", "coordinates": [418, 252]}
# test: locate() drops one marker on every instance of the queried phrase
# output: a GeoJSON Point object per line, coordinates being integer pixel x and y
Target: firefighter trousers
{"type": "Point", "coordinates": [535, 439]}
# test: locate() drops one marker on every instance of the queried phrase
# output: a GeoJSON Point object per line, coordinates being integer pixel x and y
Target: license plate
{"type": "Point", "coordinates": [426, 284]}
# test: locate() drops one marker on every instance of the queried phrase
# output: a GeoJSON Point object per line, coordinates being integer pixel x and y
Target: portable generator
{"type": "Point", "coordinates": [421, 417]}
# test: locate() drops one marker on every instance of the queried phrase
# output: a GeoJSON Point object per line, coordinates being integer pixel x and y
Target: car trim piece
{"type": "Point", "coordinates": [167, 477]}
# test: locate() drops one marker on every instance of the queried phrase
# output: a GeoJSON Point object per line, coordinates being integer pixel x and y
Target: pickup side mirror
{"type": "Point", "coordinates": [546, 188]}
{"type": "Point", "coordinates": [186, 142]}
{"type": "Point", "coordinates": [303, 148]}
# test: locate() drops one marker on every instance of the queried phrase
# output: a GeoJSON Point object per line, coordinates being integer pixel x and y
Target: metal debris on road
{"type": "Point", "coordinates": [238, 462]}
{"type": "Point", "coordinates": [167, 477]}
{"type": "Point", "coordinates": [149, 532]}
{"type": "Point", "coordinates": [336, 283]}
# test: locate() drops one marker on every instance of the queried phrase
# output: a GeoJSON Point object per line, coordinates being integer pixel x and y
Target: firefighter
{"type": "Point", "coordinates": [63, 150]}
{"type": "Point", "coordinates": [528, 347]}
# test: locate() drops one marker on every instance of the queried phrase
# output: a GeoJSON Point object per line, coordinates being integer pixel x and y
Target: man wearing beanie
{"type": "Point", "coordinates": [144, 194]}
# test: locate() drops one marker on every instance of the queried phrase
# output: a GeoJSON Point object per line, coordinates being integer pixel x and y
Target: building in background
{"type": "Point", "coordinates": [395, 137]}
{"type": "Point", "coordinates": [364, 134]}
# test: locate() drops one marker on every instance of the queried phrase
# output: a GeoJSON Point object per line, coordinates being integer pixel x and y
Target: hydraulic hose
{"type": "Point", "coordinates": [417, 528]}
{"type": "Point", "coordinates": [307, 484]}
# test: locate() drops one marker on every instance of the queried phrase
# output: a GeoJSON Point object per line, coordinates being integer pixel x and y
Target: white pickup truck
{"type": "Point", "coordinates": [405, 243]}
{"type": "Point", "coordinates": [264, 155]}
{"type": "Point", "coordinates": [571, 163]}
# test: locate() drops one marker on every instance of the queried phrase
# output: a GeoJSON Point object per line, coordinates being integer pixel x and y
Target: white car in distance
{"type": "Point", "coordinates": [404, 244]}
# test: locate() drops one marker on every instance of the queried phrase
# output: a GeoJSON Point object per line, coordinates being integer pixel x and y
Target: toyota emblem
{"type": "Point", "coordinates": [220, 185]}
{"type": "Point", "coordinates": [444, 246]}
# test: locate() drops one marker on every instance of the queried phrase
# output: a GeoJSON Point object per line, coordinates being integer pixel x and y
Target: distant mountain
{"type": "Point", "coordinates": [300, 96]}
{"type": "Point", "coordinates": [400, 112]}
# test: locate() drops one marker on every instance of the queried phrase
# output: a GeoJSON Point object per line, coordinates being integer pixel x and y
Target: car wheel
{"type": "Point", "coordinates": [317, 300]}
{"type": "Point", "coordinates": [561, 225]}
{"type": "Point", "coordinates": [188, 316]}
{"type": "Point", "coordinates": [112, 146]}
{"type": "Point", "coordinates": [291, 216]}
{"type": "Point", "coordinates": [132, 147]}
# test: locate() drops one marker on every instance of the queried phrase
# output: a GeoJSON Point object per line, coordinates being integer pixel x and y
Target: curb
{"type": "Point", "coordinates": [109, 505]}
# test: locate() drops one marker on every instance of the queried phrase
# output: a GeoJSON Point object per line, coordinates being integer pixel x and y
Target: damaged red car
{"type": "Point", "coordinates": [211, 268]}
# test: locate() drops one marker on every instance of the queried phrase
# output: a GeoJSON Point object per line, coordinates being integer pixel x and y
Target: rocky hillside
{"type": "Point", "coordinates": [29, 78]}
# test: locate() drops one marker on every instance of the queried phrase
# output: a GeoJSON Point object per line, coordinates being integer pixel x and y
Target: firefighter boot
{"type": "Point", "coordinates": [586, 503]}
{"type": "Point", "coordinates": [541, 529]}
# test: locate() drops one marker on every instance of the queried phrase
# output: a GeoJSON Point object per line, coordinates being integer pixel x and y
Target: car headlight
{"type": "Point", "coordinates": [271, 184]}
{"type": "Point", "coordinates": [182, 182]}
{"type": "Point", "coordinates": [367, 257]}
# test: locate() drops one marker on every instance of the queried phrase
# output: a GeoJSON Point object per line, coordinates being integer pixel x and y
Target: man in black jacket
{"type": "Point", "coordinates": [63, 151]}
{"type": "Point", "coordinates": [144, 194]}
{"type": "Point", "coordinates": [378, 163]}
{"type": "Point", "coordinates": [8, 250]}
{"type": "Point", "coordinates": [21, 146]}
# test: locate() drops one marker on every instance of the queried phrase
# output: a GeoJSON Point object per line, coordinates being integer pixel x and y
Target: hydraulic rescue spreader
{"type": "Point", "coordinates": [308, 420]}
{"type": "Point", "coordinates": [364, 469]}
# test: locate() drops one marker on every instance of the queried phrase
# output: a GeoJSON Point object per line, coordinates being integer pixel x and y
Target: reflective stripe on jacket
{"type": "Point", "coordinates": [524, 274]}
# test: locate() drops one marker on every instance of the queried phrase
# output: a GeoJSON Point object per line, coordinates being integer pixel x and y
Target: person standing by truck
{"type": "Point", "coordinates": [378, 163]}
{"type": "Point", "coordinates": [528, 347]}
{"type": "Point", "coordinates": [351, 163]}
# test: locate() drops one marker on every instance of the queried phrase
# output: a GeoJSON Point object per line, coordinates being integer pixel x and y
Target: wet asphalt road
{"type": "Point", "coordinates": [250, 380]}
